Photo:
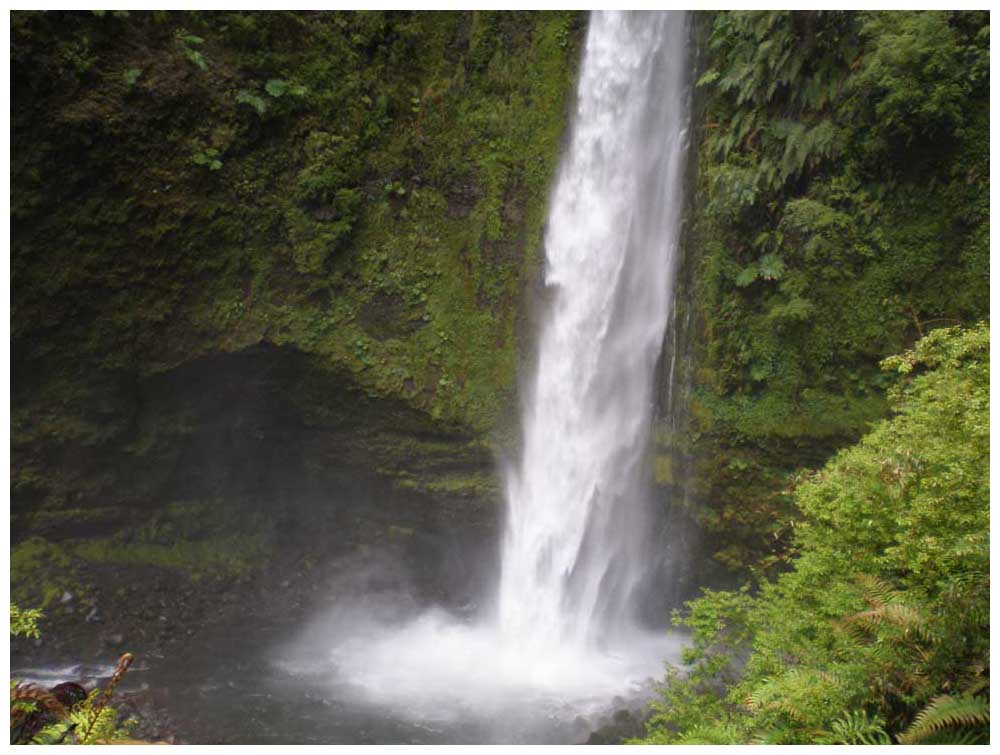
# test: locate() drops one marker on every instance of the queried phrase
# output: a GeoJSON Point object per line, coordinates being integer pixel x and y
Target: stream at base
{"type": "Point", "coordinates": [342, 682]}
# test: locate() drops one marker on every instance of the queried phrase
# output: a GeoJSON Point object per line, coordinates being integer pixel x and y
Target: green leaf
{"type": "Point", "coordinates": [746, 276]}
{"type": "Point", "coordinates": [53, 734]}
{"type": "Point", "coordinates": [258, 103]}
{"type": "Point", "coordinates": [709, 77]}
{"type": "Point", "coordinates": [196, 57]}
{"type": "Point", "coordinates": [276, 87]}
{"type": "Point", "coordinates": [947, 712]}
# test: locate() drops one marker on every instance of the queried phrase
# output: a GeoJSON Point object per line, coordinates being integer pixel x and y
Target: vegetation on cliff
{"type": "Point", "coordinates": [841, 212]}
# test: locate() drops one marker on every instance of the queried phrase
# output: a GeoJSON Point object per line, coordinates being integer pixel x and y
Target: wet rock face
{"type": "Point", "coordinates": [262, 430]}
{"type": "Point", "coordinates": [228, 488]}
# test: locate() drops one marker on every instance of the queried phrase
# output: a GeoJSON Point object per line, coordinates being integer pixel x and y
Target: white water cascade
{"type": "Point", "coordinates": [574, 546]}
{"type": "Point", "coordinates": [563, 640]}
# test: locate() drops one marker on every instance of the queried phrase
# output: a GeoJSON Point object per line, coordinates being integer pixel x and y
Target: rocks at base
{"type": "Point", "coordinates": [624, 724]}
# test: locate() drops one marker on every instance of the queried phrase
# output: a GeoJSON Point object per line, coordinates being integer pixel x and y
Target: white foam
{"type": "Point", "coordinates": [438, 668]}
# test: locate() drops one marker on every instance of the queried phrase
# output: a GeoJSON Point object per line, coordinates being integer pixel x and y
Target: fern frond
{"type": "Point", "coordinates": [913, 623]}
{"type": "Point", "coordinates": [95, 711]}
{"type": "Point", "coordinates": [711, 734]}
{"type": "Point", "coordinates": [958, 737]}
{"type": "Point", "coordinates": [53, 734]}
{"type": "Point", "coordinates": [776, 735]}
{"type": "Point", "coordinates": [856, 728]}
{"type": "Point", "coordinates": [799, 693]}
{"type": "Point", "coordinates": [947, 712]}
{"type": "Point", "coordinates": [877, 591]}
{"type": "Point", "coordinates": [21, 693]}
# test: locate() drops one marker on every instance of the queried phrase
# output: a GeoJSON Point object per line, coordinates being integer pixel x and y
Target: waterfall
{"type": "Point", "coordinates": [577, 543]}
{"type": "Point", "coordinates": [576, 539]}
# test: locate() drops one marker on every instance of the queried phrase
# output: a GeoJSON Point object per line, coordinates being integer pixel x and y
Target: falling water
{"type": "Point", "coordinates": [576, 539]}
{"type": "Point", "coordinates": [562, 642]}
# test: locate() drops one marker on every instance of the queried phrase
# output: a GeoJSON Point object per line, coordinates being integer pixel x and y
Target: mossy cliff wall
{"type": "Point", "coordinates": [253, 251]}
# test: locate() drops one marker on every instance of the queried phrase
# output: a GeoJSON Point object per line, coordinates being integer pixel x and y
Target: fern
{"type": "Point", "coordinates": [53, 734]}
{"type": "Point", "coordinates": [255, 101]}
{"type": "Point", "coordinates": [947, 712]}
{"type": "Point", "coordinates": [876, 590]}
{"type": "Point", "coordinates": [888, 609]}
{"type": "Point", "coordinates": [31, 693]}
{"type": "Point", "coordinates": [802, 694]}
{"type": "Point", "coordinates": [91, 721]}
{"type": "Point", "coordinates": [856, 728]}
{"type": "Point", "coordinates": [711, 734]}
{"type": "Point", "coordinates": [958, 737]}
{"type": "Point", "coordinates": [95, 723]}
{"type": "Point", "coordinates": [95, 718]}
{"type": "Point", "coordinates": [777, 735]}
{"type": "Point", "coordinates": [910, 620]}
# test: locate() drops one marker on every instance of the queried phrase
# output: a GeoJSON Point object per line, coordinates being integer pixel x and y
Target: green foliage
{"type": "Point", "coordinates": [187, 43]}
{"type": "Point", "coordinates": [94, 723]}
{"type": "Point", "coordinates": [856, 728]}
{"type": "Point", "coordinates": [40, 573]}
{"type": "Point", "coordinates": [207, 156]}
{"type": "Point", "coordinates": [131, 76]}
{"type": "Point", "coordinates": [274, 89]}
{"type": "Point", "coordinates": [216, 557]}
{"type": "Point", "coordinates": [89, 722]}
{"type": "Point", "coordinates": [53, 734]}
{"type": "Point", "coordinates": [284, 235]}
{"type": "Point", "coordinates": [947, 713]}
{"type": "Point", "coordinates": [24, 621]}
{"type": "Point", "coordinates": [881, 626]}
{"type": "Point", "coordinates": [919, 77]}
{"type": "Point", "coordinates": [278, 88]}
{"type": "Point", "coordinates": [841, 191]}
{"type": "Point", "coordinates": [258, 103]}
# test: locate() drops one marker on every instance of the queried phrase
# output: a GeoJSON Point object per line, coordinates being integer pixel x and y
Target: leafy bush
{"type": "Point", "coordinates": [881, 627]}
{"type": "Point", "coordinates": [24, 621]}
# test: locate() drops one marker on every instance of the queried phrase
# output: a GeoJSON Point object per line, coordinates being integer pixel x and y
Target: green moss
{"type": "Point", "coordinates": [214, 557]}
{"type": "Point", "coordinates": [478, 485]}
{"type": "Point", "coordinates": [49, 518]}
{"type": "Point", "coordinates": [40, 572]}
{"type": "Point", "coordinates": [663, 470]}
